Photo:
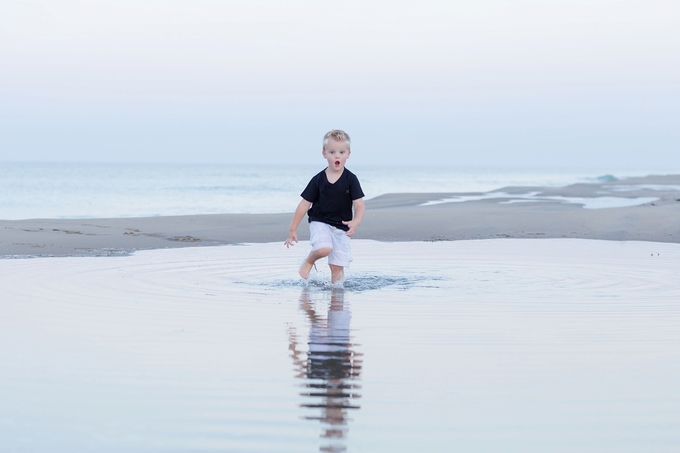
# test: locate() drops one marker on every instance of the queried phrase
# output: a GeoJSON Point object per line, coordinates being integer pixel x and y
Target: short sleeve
{"type": "Point", "coordinates": [355, 191]}
{"type": "Point", "coordinates": [311, 192]}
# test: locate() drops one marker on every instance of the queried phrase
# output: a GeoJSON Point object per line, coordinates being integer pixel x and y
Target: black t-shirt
{"type": "Point", "coordinates": [332, 203]}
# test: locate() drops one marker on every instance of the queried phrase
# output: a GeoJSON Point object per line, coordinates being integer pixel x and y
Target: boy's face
{"type": "Point", "coordinates": [336, 153]}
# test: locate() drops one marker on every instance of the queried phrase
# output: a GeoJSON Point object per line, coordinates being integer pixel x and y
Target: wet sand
{"type": "Point", "coordinates": [505, 213]}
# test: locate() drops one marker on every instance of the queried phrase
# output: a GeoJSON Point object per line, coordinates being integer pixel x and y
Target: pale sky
{"type": "Point", "coordinates": [545, 83]}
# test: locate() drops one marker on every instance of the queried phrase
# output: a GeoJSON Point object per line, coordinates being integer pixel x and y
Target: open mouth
{"type": "Point", "coordinates": [337, 163]}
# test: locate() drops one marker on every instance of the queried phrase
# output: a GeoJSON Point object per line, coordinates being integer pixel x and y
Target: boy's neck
{"type": "Point", "coordinates": [333, 175]}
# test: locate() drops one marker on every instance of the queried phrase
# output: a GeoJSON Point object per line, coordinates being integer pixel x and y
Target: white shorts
{"type": "Point", "coordinates": [323, 235]}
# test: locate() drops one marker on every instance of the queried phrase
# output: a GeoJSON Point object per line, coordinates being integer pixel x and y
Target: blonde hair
{"type": "Point", "coordinates": [338, 136]}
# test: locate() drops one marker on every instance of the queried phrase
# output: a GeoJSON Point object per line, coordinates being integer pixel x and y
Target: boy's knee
{"type": "Point", "coordinates": [324, 251]}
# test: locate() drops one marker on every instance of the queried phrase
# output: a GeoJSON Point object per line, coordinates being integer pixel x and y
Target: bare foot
{"type": "Point", "coordinates": [305, 269]}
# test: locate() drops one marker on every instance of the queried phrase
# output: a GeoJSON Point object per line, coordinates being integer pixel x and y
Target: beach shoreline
{"type": "Point", "coordinates": [510, 212]}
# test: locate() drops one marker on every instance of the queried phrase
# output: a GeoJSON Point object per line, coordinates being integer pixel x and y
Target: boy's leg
{"type": "Point", "coordinates": [340, 256]}
{"type": "Point", "coordinates": [322, 245]}
{"type": "Point", "coordinates": [313, 256]}
{"type": "Point", "coordinates": [337, 273]}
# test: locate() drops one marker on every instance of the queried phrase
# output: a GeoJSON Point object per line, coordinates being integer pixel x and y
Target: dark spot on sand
{"type": "Point", "coordinates": [184, 239]}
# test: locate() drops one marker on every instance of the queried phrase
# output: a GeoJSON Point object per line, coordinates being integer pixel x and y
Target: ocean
{"type": "Point", "coordinates": [114, 190]}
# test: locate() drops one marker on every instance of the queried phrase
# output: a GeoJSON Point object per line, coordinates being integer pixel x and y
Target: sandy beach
{"type": "Point", "coordinates": [576, 211]}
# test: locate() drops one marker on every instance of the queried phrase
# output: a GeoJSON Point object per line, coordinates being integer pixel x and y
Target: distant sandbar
{"type": "Point", "coordinates": [647, 209]}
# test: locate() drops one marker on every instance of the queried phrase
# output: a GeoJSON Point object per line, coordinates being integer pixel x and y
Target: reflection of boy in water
{"type": "Point", "coordinates": [331, 360]}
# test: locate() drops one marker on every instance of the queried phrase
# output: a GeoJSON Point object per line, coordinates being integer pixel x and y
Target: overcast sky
{"type": "Point", "coordinates": [548, 83]}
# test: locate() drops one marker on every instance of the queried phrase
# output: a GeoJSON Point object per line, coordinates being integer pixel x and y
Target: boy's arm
{"type": "Point", "coordinates": [300, 212]}
{"type": "Point", "coordinates": [359, 210]}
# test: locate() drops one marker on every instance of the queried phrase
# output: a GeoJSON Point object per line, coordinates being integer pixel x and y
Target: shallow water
{"type": "Point", "coordinates": [535, 197]}
{"type": "Point", "coordinates": [492, 345]}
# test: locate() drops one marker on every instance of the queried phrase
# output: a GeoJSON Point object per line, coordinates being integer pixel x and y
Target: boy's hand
{"type": "Point", "coordinates": [359, 210]}
{"type": "Point", "coordinates": [292, 238]}
{"type": "Point", "coordinates": [352, 227]}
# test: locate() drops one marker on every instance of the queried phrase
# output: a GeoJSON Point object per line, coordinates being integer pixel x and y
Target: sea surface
{"type": "Point", "coordinates": [112, 190]}
{"type": "Point", "coordinates": [505, 345]}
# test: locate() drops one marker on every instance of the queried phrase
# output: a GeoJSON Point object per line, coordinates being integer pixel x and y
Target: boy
{"type": "Point", "coordinates": [328, 200]}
